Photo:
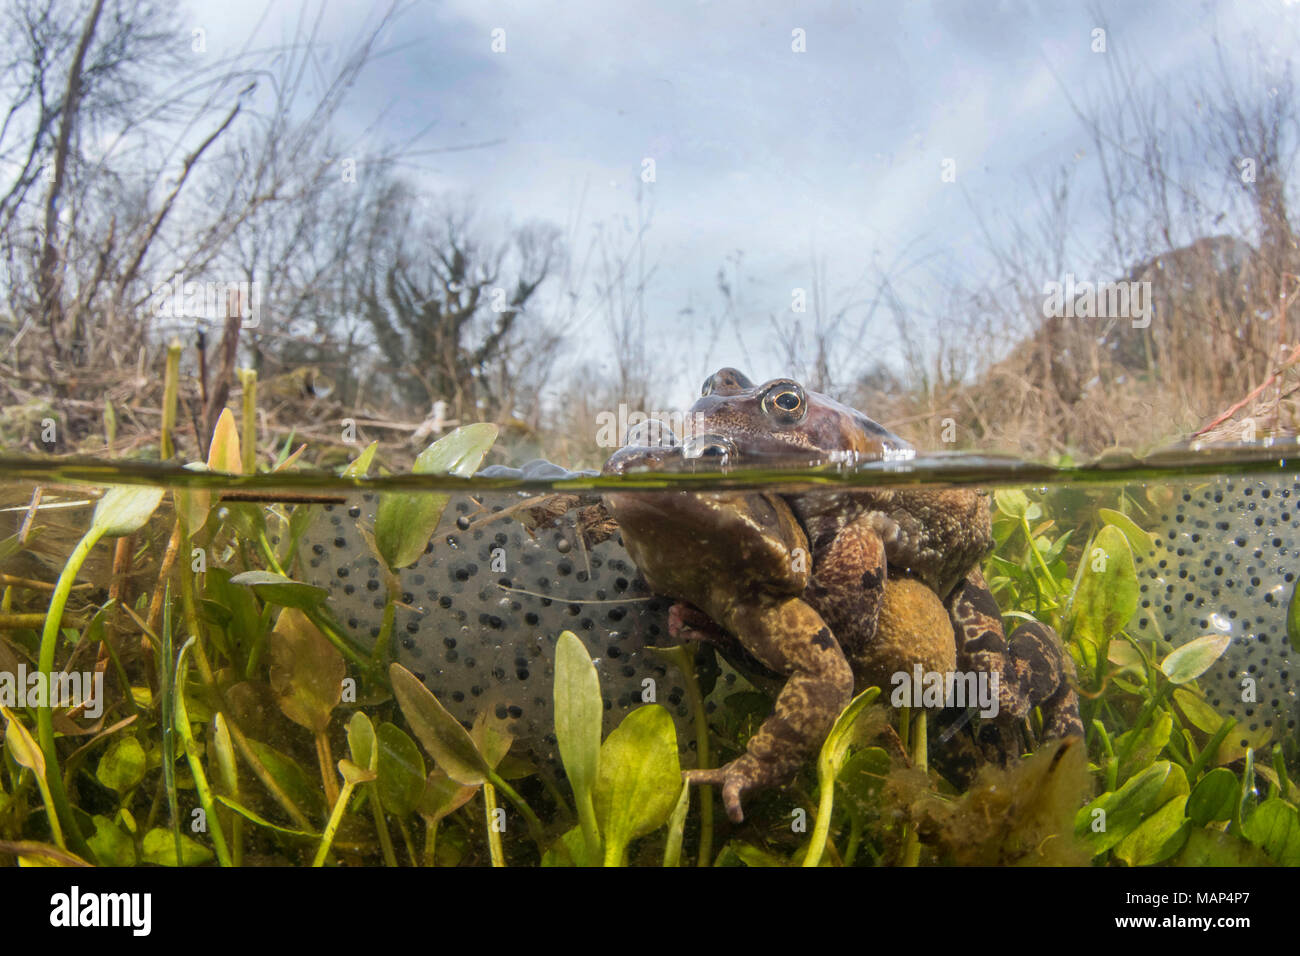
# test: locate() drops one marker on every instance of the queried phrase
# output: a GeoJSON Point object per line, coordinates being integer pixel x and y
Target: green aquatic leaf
{"type": "Point", "coordinates": [579, 711]}
{"type": "Point", "coordinates": [22, 746]}
{"type": "Point", "coordinates": [223, 752]}
{"type": "Point", "coordinates": [1142, 542]}
{"type": "Point", "coordinates": [1158, 837]}
{"type": "Point", "coordinates": [123, 765]}
{"type": "Point", "coordinates": [442, 796]}
{"type": "Point", "coordinates": [306, 672]}
{"type": "Point", "coordinates": [223, 453]}
{"type": "Point", "coordinates": [1274, 827]}
{"type": "Point", "coordinates": [1198, 713]}
{"type": "Point", "coordinates": [1214, 797]}
{"type": "Point", "coordinates": [285, 592]}
{"type": "Point", "coordinates": [261, 821]}
{"type": "Point", "coordinates": [1125, 808]}
{"type": "Point", "coordinates": [1150, 742]}
{"type": "Point", "coordinates": [361, 741]}
{"type": "Point", "coordinates": [1194, 658]}
{"type": "Point", "coordinates": [1012, 502]}
{"type": "Point", "coordinates": [360, 466]}
{"type": "Point", "coordinates": [400, 769]}
{"type": "Point", "coordinates": [1216, 848]}
{"type": "Point", "coordinates": [1107, 593]}
{"type": "Point", "coordinates": [124, 509]}
{"type": "Point", "coordinates": [290, 777]}
{"type": "Point", "coordinates": [439, 732]}
{"type": "Point", "coordinates": [160, 848]}
{"type": "Point", "coordinates": [112, 845]}
{"type": "Point", "coordinates": [404, 521]}
{"type": "Point", "coordinates": [639, 779]}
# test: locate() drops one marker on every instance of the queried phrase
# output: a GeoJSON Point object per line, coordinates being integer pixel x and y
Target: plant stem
{"type": "Point", "coordinates": [920, 760]}
{"type": "Point", "coordinates": [534, 824]}
{"type": "Point", "coordinates": [326, 760]}
{"type": "Point", "coordinates": [336, 817]}
{"type": "Point", "coordinates": [182, 722]}
{"type": "Point", "coordinates": [45, 715]}
{"type": "Point", "coordinates": [381, 827]}
{"type": "Point", "coordinates": [493, 836]}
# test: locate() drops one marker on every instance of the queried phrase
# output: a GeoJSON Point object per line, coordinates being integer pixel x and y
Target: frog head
{"type": "Point", "coordinates": [781, 419]}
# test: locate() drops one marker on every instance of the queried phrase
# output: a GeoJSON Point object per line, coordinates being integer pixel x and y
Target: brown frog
{"type": "Point", "coordinates": [735, 570]}
{"type": "Point", "coordinates": [858, 536]}
{"type": "Point", "coordinates": [732, 556]}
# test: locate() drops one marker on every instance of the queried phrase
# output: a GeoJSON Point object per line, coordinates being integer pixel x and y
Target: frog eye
{"type": "Point", "coordinates": [651, 433]}
{"type": "Point", "coordinates": [726, 381]}
{"type": "Point", "coordinates": [709, 446]}
{"type": "Point", "coordinates": [785, 401]}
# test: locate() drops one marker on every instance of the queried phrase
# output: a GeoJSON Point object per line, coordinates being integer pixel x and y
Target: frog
{"type": "Point", "coordinates": [726, 557]}
{"type": "Point", "coordinates": [737, 565]}
{"type": "Point", "coordinates": [859, 536]}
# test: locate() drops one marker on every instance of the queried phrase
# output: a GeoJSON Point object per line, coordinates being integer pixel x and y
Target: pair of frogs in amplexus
{"type": "Point", "coordinates": [730, 561]}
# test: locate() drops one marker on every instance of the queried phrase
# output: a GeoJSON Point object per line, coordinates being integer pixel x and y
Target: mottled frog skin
{"type": "Point", "coordinates": [729, 556]}
{"type": "Point", "coordinates": [859, 536]}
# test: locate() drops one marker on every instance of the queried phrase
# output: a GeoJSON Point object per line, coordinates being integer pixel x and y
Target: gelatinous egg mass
{"type": "Point", "coordinates": [481, 610]}
{"type": "Point", "coordinates": [1225, 563]}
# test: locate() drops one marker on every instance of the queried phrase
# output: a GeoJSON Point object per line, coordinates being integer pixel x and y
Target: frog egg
{"type": "Point", "coordinates": [1223, 564]}
{"type": "Point", "coordinates": [485, 640]}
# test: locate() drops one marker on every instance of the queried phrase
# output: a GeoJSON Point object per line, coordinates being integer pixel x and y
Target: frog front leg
{"type": "Point", "coordinates": [790, 638]}
{"type": "Point", "coordinates": [848, 582]}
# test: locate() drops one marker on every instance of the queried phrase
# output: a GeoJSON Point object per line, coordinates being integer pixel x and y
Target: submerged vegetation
{"type": "Point", "coordinates": [239, 723]}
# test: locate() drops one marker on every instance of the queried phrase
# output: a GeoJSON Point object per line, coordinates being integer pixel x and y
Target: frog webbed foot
{"type": "Point", "coordinates": [790, 639]}
{"type": "Point", "coordinates": [742, 776]}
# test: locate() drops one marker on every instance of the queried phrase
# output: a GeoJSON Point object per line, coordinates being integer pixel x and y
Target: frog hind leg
{"type": "Point", "coordinates": [790, 638]}
{"type": "Point", "coordinates": [1032, 667]}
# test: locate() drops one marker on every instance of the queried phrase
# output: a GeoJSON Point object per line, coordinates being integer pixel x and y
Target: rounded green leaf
{"type": "Point", "coordinates": [124, 509]}
{"type": "Point", "coordinates": [22, 745]}
{"type": "Point", "coordinates": [1194, 658]}
{"type": "Point", "coordinates": [112, 845]}
{"type": "Point", "coordinates": [1124, 809]}
{"type": "Point", "coordinates": [361, 741]}
{"type": "Point", "coordinates": [1198, 713]}
{"type": "Point", "coordinates": [401, 770]}
{"type": "Point", "coordinates": [1141, 541]}
{"type": "Point", "coordinates": [1274, 827]}
{"type": "Point", "coordinates": [439, 732]}
{"type": "Point", "coordinates": [639, 779]}
{"type": "Point", "coordinates": [123, 765]}
{"type": "Point", "coordinates": [1158, 838]}
{"type": "Point", "coordinates": [404, 521]}
{"type": "Point", "coordinates": [1012, 502]}
{"type": "Point", "coordinates": [1214, 797]}
{"type": "Point", "coordinates": [579, 711]}
{"type": "Point", "coordinates": [1107, 593]}
{"type": "Point", "coordinates": [160, 848]}
{"type": "Point", "coordinates": [306, 672]}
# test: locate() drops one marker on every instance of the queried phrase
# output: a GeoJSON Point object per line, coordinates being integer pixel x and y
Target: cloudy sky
{"type": "Point", "coordinates": [835, 152]}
